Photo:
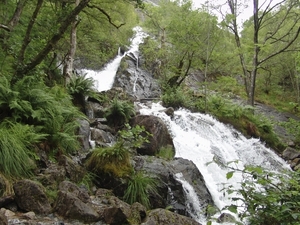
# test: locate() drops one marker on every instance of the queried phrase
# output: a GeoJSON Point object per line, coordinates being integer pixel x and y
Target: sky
{"type": "Point", "coordinates": [245, 13]}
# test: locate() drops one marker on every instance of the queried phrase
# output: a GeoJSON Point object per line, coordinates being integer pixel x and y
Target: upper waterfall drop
{"type": "Point", "coordinates": [104, 79]}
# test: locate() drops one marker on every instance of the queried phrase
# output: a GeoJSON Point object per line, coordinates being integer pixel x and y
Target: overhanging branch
{"type": "Point", "coordinates": [107, 16]}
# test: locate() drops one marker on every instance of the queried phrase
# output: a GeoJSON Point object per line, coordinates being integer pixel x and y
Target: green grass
{"type": "Point", "coordinates": [16, 144]}
{"type": "Point", "coordinates": [140, 185]}
{"type": "Point", "coordinates": [166, 152]}
{"type": "Point", "coordinates": [113, 160]}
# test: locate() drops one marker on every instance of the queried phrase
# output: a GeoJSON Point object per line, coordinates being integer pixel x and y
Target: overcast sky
{"type": "Point", "coordinates": [245, 13]}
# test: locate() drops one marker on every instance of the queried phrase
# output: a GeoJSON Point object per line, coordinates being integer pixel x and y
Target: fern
{"type": "Point", "coordinates": [119, 112]}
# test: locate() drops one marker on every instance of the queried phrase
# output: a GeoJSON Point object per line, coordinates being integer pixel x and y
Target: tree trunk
{"type": "Point", "coordinates": [68, 64]}
{"type": "Point", "coordinates": [26, 39]}
{"type": "Point", "coordinates": [53, 40]}
{"type": "Point", "coordinates": [233, 9]}
{"type": "Point", "coordinates": [255, 54]}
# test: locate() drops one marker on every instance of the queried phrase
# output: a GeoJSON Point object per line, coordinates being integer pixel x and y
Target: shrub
{"type": "Point", "coordinates": [113, 160]}
{"type": "Point", "coordinates": [176, 98]}
{"type": "Point", "coordinates": [267, 197]}
{"type": "Point", "coordinates": [49, 110]}
{"type": "Point", "coordinates": [140, 185]}
{"type": "Point", "coordinates": [119, 112]}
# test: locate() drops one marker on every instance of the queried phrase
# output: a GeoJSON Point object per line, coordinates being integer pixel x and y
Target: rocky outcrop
{"type": "Point", "coordinates": [293, 157]}
{"type": "Point", "coordinates": [135, 81]}
{"type": "Point", "coordinates": [30, 196]}
{"type": "Point", "coordinates": [165, 217]}
{"type": "Point", "coordinates": [160, 136]}
{"type": "Point", "coordinates": [170, 189]}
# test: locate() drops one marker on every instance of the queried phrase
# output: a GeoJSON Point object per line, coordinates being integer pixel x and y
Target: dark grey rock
{"type": "Point", "coordinates": [69, 206]}
{"type": "Point", "coordinates": [84, 134]}
{"type": "Point", "coordinates": [30, 196]}
{"type": "Point", "coordinates": [290, 153]}
{"type": "Point", "coordinates": [165, 217]}
{"type": "Point", "coordinates": [159, 131]}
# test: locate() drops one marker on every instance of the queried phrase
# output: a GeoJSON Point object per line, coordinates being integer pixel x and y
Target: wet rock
{"type": "Point", "coordinates": [72, 188]}
{"type": "Point", "coordinates": [117, 213]}
{"type": "Point", "coordinates": [157, 128]}
{"type": "Point", "coordinates": [137, 82]}
{"type": "Point", "coordinates": [169, 111]}
{"type": "Point", "coordinates": [165, 217]}
{"type": "Point", "coordinates": [30, 196]}
{"type": "Point", "coordinates": [171, 193]}
{"type": "Point", "coordinates": [290, 153]}
{"type": "Point", "coordinates": [69, 206]}
{"type": "Point", "coordinates": [226, 218]}
{"type": "Point", "coordinates": [84, 134]}
{"type": "Point", "coordinates": [74, 171]}
{"type": "Point", "coordinates": [101, 137]}
{"type": "Point", "coordinates": [137, 213]}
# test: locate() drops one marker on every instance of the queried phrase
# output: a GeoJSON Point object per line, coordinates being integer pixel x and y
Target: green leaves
{"type": "Point", "coordinates": [229, 175]}
{"type": "Point", "coordinates": [265, 197]}
{"type": "Point", "coordinates": [119, 112]}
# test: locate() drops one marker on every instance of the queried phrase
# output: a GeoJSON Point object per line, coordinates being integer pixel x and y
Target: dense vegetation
{"type": "Point", "coordinates": [40, 98]}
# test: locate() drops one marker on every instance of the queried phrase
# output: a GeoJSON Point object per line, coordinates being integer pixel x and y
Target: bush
{"type": "Point", "coordinates": [113, 160]}
{"type": "Point", "coordinates": [267, 197]}
{"type": "Point", "coordinates": [176, 98]}
{"type": "Point", "coordinates": [49, 110]}
{"type": "Point", "coordinates": [119, 112]}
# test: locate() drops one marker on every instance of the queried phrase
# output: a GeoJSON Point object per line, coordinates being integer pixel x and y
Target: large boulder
{"type": "Point", "coordinates": [30, 196]}
{"type": "Point", "coordinates": [160, 136]}
{"type": "Point", "coordinates": [173, 176]}
{"type": "Point", "coordinates": [117, 212]}
{"type": "Point", "coordinates": [165, 217]}
{"type": "Point", "coordinates": [71, 207]}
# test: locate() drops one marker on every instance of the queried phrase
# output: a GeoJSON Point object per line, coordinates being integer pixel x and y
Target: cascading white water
{"type": "Point", "coordinates": [104, 79]}
{"type": "Point", "coordinates": [202, 139]}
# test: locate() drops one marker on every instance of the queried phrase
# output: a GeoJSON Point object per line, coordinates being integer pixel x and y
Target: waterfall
{"type": "Point", "coordinates": [199, 138]}
{"type": "Point", "coordinates": [202, 139]}
{"type": "Point", "coordinates": [104, 79]}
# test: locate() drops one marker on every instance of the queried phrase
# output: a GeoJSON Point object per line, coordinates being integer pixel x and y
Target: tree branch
{"type": "Point", "coordinates": [107, 15]}
{"type": "Point", "coordinates": [54, 39]}
{"type": "Point", "coordinates": [283, 49]}
{"type": "Point", "coordinates": [5, 27]}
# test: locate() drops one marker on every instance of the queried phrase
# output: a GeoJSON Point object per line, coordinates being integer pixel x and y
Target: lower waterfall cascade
{"type": "Point", "coordinates": [202, 139]}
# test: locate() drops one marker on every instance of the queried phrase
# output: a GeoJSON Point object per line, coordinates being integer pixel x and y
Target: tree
{"type": "Point", "coordinates": [183, 36]}
{"type": "Point", "coordinates": [283, 35]}
{"type": "Point", "coordinates": [46, 24]}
